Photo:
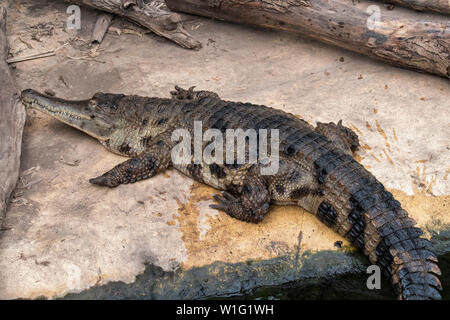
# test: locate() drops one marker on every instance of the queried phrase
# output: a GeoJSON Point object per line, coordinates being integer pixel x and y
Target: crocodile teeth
{"type": "Point", "coordinates": [53, 111]}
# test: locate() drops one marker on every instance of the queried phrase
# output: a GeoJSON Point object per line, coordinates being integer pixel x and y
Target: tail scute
{"type": "Point", "coordinates": [417, 278]}
{"type": "Point", "coordinates": [420, 292]}
{"type": "Point", "coordinates": [414, 271]}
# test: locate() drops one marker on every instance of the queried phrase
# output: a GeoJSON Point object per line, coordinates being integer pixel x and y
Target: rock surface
{"type": "Point", "coordinates": [12, 121]}
{"type": "Point", "coordinates": [158, 238]}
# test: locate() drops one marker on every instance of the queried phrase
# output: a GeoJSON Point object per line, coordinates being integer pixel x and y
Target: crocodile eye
{"type": "Point", "coordinates": [92, 104]}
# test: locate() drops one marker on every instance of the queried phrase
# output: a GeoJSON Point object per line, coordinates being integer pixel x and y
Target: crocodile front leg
{"type": "Point", "coordinates": [156, 160]}
{"type": "Point", "coordinates": [250, 204]}
{"type": "Point", "coordinates": [183, 94]}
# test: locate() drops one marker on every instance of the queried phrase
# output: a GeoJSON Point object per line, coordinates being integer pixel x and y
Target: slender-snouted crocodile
{"type": "Point", "coordinates": [316, 171]}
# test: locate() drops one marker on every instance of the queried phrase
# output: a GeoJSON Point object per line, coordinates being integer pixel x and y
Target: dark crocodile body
{"type": "Point", "coordinates": [316, 172]}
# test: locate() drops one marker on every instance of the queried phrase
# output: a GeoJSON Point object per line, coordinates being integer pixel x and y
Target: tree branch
{"type": "Point", "coordinates": [422, 45]}
{"type": "Point", "coordinates": [153, 15]}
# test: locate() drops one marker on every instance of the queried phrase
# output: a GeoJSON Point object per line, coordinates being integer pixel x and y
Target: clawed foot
{"type": "Point", "coordinates": [227, 202]}
{"type": "Point", "coordinates": [234, 208]}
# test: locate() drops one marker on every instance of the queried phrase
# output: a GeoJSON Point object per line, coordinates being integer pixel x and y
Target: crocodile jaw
{"type": "Point", "coordinates": [77, 114]}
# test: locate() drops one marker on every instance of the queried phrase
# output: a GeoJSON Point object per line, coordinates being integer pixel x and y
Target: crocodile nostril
{"type": "Point", "coordinates": [26, 92]}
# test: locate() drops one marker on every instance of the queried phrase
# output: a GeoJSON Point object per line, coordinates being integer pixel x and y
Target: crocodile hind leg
{"type": "Point", "coordinates": [250, 204]}
{"type": "Point", "coordinates": [342, 136]}
{"type": "Point", "coordinates": [183, 94]}
{"type": "Point", "coordinates": [157, 159]}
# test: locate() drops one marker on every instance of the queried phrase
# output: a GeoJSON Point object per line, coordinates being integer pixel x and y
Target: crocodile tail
{"type": "Point", "coordinates": [358, 207]}
{"type": "Point", "coordinates": [407, 259]}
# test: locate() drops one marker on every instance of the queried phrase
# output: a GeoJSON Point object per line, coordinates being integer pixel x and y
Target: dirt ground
{"type": "Point", "coordinates": [65, 235]}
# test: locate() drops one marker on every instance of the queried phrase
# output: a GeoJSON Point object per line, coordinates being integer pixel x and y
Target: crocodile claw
{"type": "Point", "coordinates": [226, 202]}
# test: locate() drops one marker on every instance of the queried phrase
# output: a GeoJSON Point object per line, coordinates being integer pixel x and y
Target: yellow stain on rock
{"type": "Point", "coordinates": [382, 133]}
{"type": "Point", "coordinates": [423, 207]}
{"type": "Point", "coordinates": [423, 182]}
{"type": "Point", "coordinates": [355, 128]}
{"type": "Point", "coordinates": [230, 240]}
{"type": "Point", "coordinates": [388, 157]}
{"type": "Point", "coordinates": [394, 134]}
{"type": "Point", "coordinates": [446, 173]}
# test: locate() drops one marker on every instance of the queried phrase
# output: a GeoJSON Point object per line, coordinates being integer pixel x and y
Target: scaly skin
{"type": "Point", "coordinates": [316, 171]}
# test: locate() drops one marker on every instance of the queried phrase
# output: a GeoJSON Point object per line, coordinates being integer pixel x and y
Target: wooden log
{"type": "Point", "coordinates": [153, 15]}
{"type": "Point", "coordinates": [12, 120]}
{"type": "Point", "coordinates": [101, 26]}
{"type": "Point", "coordinates": [421, 45]}
{"type": "Point", "coordinates": [441, 6]}
{"type": "Point", "coordinates": [127, 3]}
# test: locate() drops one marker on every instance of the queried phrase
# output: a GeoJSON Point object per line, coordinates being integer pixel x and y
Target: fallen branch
{"type": "Point", "coordinates": [441, 6]}
{"type": "Point", "coordinates": [420, 45]}
{"type": "Point", "coordinates": [12, 121]}
{"type": "Point", "coordinates": [101, 26]}
{"type": "Point", "coordinates": [31, 57]}
{"type": "Point", "coordinates": [35, 56]}
{"type": "Point", "coordinates": [153, 15]}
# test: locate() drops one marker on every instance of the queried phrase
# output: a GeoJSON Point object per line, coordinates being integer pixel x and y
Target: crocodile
{"type": "Point", "coordinates": [316, 171]}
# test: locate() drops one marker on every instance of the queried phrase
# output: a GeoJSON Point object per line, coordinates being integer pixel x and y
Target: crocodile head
{"type": "Point", "coordinates": [96, 116]}
{"type": "Point", "coordinates": [123, 124]}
